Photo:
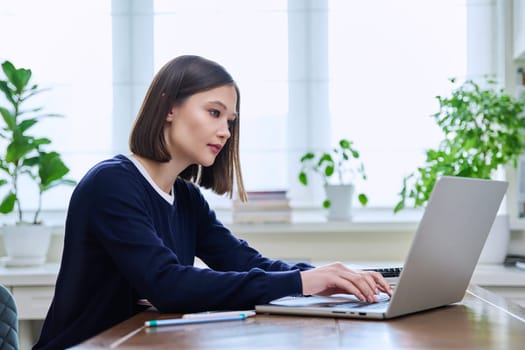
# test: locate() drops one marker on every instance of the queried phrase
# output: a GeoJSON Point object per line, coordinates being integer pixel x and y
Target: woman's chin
{"type": "Point", "coordinates": [208, 162]}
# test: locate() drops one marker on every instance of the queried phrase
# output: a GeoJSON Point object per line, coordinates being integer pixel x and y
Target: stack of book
{"type": "Point", "coordinates": [263, 207]}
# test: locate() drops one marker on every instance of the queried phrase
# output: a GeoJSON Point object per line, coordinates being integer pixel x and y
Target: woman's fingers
{"type": "Point", "coordinates": [336, 277]}
{"type": "Point", "coordinates": [382, 284]}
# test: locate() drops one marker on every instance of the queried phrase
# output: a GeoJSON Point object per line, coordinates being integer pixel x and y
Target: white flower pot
{"type": "Point", "coordinates": [497, 243]}
{"type": "Point", "coordinates": [26, 245]}
{"type": "Point", "coordinates": [341, 197]}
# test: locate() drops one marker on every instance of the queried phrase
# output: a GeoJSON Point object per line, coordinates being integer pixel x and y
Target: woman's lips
{"type": "Point", "coordinates": [216, 148]}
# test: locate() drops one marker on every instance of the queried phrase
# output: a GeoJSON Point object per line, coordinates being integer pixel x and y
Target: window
{"type": "Point", "coordinates": [249, 38]}
{"type": "Point", "coordinates": [387, 62]}
{"type": "Point", "coordinates": [57, 40]}
{"type": "Point", "coordinates": [384, 61]}
{"type": "Point", "coordinates": [385, 69]}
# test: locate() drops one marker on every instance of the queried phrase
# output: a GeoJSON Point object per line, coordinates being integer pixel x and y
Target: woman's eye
{"type": "Point", "coordinates": [215, 113]}
{"type": "Point", "coordinates": [231, 123]}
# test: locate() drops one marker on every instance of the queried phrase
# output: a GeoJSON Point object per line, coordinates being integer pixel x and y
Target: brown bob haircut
{"type": "Point", "coordinates": [172, 85]}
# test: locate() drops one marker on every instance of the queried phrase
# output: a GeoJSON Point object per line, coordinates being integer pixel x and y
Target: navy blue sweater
{"type": "Point", "coordinates": [124, 242]}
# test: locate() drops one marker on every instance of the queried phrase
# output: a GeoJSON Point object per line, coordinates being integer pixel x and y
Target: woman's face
{"type": "Point", "coordinates": [198, 129]}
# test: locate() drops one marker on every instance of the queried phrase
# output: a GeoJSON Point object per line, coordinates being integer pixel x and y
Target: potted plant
{"type": "Point", "coordinates": [25, 155]}
{"type": "Point", "coordinates": [338, 169]}
{"type": "Point", "coordinates": [483, 131]}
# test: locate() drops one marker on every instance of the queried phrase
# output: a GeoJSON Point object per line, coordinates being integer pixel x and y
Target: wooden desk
{"type": "Point", "coordinates": [483, 320]}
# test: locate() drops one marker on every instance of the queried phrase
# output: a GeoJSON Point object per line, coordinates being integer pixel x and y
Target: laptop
{"type": "Point", "coordinates": [440, 262]}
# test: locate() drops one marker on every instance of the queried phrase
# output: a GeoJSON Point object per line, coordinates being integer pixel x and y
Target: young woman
{"type": "Point", "coordinates": [136, 222]}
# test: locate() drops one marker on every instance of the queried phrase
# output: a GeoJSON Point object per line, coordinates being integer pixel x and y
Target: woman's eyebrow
{"type": "Point", "coordinates": [217, 102]}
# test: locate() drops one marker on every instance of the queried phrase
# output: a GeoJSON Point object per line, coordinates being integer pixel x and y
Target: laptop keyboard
{"type": "Point", "coordinates": [387, 271]}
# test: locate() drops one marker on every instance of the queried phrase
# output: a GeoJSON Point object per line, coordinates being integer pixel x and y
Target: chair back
{"type": "Point", "coordinates": [8, 320]}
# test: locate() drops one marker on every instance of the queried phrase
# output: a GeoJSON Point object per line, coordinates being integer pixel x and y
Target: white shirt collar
{"type": "Point", "coordinates": [170, 198]}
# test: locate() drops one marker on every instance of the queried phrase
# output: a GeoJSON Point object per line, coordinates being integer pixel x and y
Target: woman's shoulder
{"type": "Point", "coordinates": [188, 191]}
{"type": "Point", "coordinates": [115, 172]}
{"type": "Point", "coordinates": [186, 188]}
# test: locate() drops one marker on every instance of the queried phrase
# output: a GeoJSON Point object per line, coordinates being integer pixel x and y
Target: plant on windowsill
{"type": "Point", "coordinates": [483, 131]}
{"type": "Point", "coordinates": [25, 155]}
{"type": "Point", "coordinates": [338, 169]}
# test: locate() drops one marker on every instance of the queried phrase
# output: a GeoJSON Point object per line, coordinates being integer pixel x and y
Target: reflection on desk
{"type": "Point", "coordinates": [483, 320]}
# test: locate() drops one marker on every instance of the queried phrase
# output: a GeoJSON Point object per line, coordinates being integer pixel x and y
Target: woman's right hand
{"type": "Point", "coordinates": [337, 278]}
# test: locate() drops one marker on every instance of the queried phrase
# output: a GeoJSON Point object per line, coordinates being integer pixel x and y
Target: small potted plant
{"type": "Point", "coordinates": [338, 170]}
{"type": "Point", "coordinates": [25, 155]}
{"type": "Point", "coordinates": [483, 131]}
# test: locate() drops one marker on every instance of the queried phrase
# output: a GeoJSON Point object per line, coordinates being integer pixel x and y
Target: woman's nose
{"type": "Point", "coordinates": [224, 130]}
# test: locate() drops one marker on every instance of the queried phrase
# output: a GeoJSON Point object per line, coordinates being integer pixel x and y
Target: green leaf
{"type": "Point", "coordinates": [303, 178]}
{"type": "Point", "coordinates": [307, 156]}
{"type": "Point", "coordinates": [51, 168]}
{"type": "Point", "coordinates": [8, 203]}
{"type": "Point", "coordinates": [31, 161]}
{"type": "Point", "coordinates": [325, 157]}
{"type": "Point", "coordinates": [329, 170]}
{"type": "Point", "coordinates": [399, 206]}
{"type": "Point", "coordinates": [345, 144]}
{"type": "Point", "coordinates": [9, 118]}
{"type": "Point", "coordinates": [18, 148]}
{"type": "Point", "coordinates": [26, 124]}
{"type": "Point", "coordinates": [363, 199]}
{"type": "Point", "coordinates": [18, 77]}
{"type": "Point", "coordinates": [7, 92]}
{"type": "Point", "coordinates": [41, 141]}
{"type": "Point", "coordinates": [22, 78]}
{"type": "Point", "coordinates": [9, 70]}
{"type": "Point", "coordinates": [327, 204]}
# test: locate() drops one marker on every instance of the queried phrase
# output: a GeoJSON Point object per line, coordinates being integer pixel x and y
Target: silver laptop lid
{"type": "Point", "coordinates": [447, 244]}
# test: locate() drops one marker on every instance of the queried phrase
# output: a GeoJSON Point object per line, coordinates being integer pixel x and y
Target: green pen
{"type": "Point", "coordinates": [183, 321]}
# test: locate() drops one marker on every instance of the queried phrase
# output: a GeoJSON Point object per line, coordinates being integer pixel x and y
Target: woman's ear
{"type": "Point", "coordinates": [171, 114]}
